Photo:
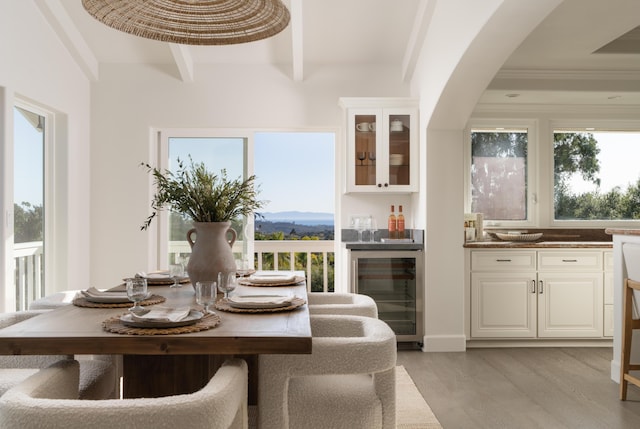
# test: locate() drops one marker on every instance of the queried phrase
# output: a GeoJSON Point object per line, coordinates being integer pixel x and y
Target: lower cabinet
{"type": "Point", "coordinates": [560, 296]}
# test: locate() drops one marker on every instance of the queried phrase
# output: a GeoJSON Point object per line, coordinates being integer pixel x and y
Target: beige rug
{"type": "Point", "coordinates": [412, 412]}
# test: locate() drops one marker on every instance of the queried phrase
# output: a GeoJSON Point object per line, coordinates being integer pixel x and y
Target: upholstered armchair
{"type": "Point", "coordinates": [98, 374]}
{"type": "Point", "coordinates": [342, 303]}
{"type": "Point", "coordinates": [348, 381]}
{"type": "Point", "coordinates": [49, 399]}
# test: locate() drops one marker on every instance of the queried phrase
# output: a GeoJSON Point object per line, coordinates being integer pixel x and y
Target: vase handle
{"type": "Point", "coordinates": [234, 235]}
{"type": "Point", "coordinates": [191, 231]}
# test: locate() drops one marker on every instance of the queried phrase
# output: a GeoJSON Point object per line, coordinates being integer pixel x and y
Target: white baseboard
{"type": "Point", "coordinates": [615, 370]}
{"type": "Point", "coordinates": [444, 343]}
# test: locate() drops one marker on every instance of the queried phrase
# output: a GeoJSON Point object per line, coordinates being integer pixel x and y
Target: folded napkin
{"type": "Point", "coordinates": [259, 301]}
{"type": "Point", "coordinates": [92, 292]}
{"type": "Point", "coordinates": [163, 314]}
{"type": "Point", "coordinates": [266, 277]}
{"type": "Point", "coordinates": [157, 275]}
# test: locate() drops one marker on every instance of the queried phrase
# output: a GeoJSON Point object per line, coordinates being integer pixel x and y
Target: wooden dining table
{"type": "Point", "coordinates": [162, 365]}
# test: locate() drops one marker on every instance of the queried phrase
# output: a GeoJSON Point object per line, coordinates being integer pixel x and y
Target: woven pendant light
{"type": "Point", "coordinates": [193, 22]}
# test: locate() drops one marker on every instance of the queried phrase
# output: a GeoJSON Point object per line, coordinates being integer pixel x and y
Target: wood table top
{"type": "Point", "coordinates": [78, 330]}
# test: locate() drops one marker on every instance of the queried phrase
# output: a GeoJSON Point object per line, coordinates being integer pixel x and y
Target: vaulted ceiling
{"type": "Point", "coordinates": [557, 62]}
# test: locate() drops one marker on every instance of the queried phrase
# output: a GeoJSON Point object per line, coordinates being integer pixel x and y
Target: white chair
{"type": "Point", "coordinates": [48, 399]}
{"type": "Point", "coordinates": [99, 376]}
{"type": "Point", "coordinates": [342, 303]}
{"type": "Point", "coordinates": [54, 300]}
{"type": "Point", "coordinates": [348, 381]}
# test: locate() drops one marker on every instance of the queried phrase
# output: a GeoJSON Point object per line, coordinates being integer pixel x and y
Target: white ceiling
{"type": "Point", "coordinates": [556, 62]}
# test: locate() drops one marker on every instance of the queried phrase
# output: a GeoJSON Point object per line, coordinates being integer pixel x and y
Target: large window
{"type": "Point", "coordinates": [499, 174]}
{"type": "Point", "coordinates": [596, 175]}
{"type": "Point", "coordinates": [28, 207]}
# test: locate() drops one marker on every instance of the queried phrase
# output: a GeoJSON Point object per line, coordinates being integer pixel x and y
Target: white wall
{"type": "Point", "coordinates": [129, 100]}
{"type": "Point", "coordinates": [35, 66]}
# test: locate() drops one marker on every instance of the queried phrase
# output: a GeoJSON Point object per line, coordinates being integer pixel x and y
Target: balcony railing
{"type": "Point", "coordinates": [314, 257]}
{"type": "Point", "coordinates": [28, 273]}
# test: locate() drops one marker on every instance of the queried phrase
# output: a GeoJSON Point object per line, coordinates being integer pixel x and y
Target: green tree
{"type": "Point", "coordinates": [28, 222]}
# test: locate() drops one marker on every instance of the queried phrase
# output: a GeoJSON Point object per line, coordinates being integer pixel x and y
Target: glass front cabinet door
{"type": "Point", "coordinates": [382, 145]}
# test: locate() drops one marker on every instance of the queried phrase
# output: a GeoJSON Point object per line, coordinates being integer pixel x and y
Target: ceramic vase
{"type": "Point", "coordinates": [210, 251]}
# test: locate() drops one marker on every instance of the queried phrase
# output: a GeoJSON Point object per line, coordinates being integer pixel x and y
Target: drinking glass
{"type": "Point", "coordinates": [362, 156]}
{"type": "Point", "coordinates": [206, 292]}
{"type": "Point", "coordinates": [373, 227]}
{"type": "Point", "coordinates": [372, 157]}
{"type": "Point", "coordinates": [136, 292]}
{"type": "Point", "coordinates": [226, 282]}
{"type": "Point", "coordinates": [177, 272]}
{"type": "Point", "coordinates": [243, 266]}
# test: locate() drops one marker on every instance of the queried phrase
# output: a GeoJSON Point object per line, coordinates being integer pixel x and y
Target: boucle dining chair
{"type": "Point", "coordinates": [48, 399]}
{"type": "Point", "coordinates": [342, 303]}
{"type": "Point", "coordinates": [99, 377]}
{"type": "Point", "coordinates": [348, 381]}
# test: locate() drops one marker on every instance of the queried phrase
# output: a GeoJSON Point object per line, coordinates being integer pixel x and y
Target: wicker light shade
{"type": "Point", "coordinates": [193, 22]}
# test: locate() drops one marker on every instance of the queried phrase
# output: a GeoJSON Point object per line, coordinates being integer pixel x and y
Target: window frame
{"type": "Point", "coordinates": [586, 126]}
{"type": "Point", "coordinates": [531, 125]}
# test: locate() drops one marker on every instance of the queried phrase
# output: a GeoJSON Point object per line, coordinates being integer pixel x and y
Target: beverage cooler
{"type": "Point", "coordinates": [394, 279]}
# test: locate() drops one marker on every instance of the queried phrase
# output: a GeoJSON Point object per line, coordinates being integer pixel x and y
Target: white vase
{"type": "Point", "coordinates": [210, 251]}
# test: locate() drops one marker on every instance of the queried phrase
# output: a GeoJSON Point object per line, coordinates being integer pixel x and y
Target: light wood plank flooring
{"type": "Point", "coordinates": [522, 388]}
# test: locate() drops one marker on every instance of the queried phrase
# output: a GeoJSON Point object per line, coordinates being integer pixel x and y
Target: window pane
{"type": "Point", "coordinates": [499, 174]}
{"type": "Point", "coordinates": [28, 206]}
{"type": "Point", "coordinates": [596, 175]}
{"type": "Point", "coordinates": [217, 154]}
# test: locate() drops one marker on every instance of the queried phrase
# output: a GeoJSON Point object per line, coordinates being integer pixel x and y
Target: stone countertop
{"type": "Point", "coordinates": [622, 231]}
{"type": "Point", "coordinates": [349, 241]}
{"type": "Point", "coordinates": [355, 245]}
{"type": "Point", "coordinates": [539, 244]}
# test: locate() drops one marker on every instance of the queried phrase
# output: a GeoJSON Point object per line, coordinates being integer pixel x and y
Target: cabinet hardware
{"type": "Point", "coordinates": [386, 185]}
{"type": "Point", "coordinates": [533, 286]}
{"type": "Point", "coordinates": [503, 260]}
{"type": "Point", "coordinates": [540, 289]}
{"type": "Point", "coordinates": [379, 185]}
{"type": "Point", "coordinates": [569, 260]}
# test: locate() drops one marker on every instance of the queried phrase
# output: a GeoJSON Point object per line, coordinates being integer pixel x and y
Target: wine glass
{"type": "Point", "coordinates": [177, 272]}
{"type": "Point", "coordinates": [136, 292]}
{"type": "Point", "coordinates": [372, 157]}
{"type": "Point", "coordinates": [362, 156]}
{"type": "Point", "coordinates": [226, 282]}
{"type": "Point", "coordinates": [243, 266]}
{"type": "Point", "coordinates": [206, 292]}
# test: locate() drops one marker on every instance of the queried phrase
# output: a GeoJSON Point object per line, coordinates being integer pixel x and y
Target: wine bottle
{"type": "Point", "coordinates": [400, 223]}
{"type": "Point", "coordinates": [392, 223]}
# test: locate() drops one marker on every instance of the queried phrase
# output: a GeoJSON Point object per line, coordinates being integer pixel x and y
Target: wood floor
{"type": "Point", "coordinates": [523, 388]}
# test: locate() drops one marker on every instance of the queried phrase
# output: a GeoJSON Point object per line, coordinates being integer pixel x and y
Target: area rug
{"type": "Point", "coordinates": [412, 411]}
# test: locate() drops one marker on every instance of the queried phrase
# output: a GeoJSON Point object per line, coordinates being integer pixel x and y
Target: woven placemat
{"type": "Point", "coordinates": [223, 304]}
{"type": "Point", "coordinates": [115, 325]}
{"type": "Point", "coordinates": [81, 301]}
{"type": "Point", "coordinates": [295, 281]}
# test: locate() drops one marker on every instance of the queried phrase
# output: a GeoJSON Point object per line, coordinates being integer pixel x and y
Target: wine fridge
{"type": "Point", "coordinates": [394, 279]}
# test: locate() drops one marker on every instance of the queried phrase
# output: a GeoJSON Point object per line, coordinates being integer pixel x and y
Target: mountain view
{"type": "Point", "coordinates": [293, 225]}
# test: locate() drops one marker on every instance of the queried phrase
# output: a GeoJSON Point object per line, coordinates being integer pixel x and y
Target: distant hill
{"type": "Point", "coordinates": [301, 218]}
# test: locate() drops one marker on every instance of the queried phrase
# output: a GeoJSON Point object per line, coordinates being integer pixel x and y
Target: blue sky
{"type": "Point", "coordinates": [28, 162]}
{"type": "Point", "coordinates": [294, 171]}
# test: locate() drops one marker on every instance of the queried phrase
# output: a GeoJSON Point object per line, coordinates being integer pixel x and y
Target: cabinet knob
{"type": "Point", "coordinates": [379, 185]}
{"type": "Point", "coordinates": [386, 185]}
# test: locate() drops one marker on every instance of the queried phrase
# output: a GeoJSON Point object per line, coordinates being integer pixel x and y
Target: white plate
{"type": "Point", "coordinates": [192, 318]}
{"type": "Point", "coordinates": [259, 301]}
{"type": "Point", "coordinates": [110, 299]}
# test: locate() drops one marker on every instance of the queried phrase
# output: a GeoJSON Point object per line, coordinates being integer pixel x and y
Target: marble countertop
{"type": "Point", "coordinates": [539, 244]}
{"type": "Point", "coordinates": [622, 231]}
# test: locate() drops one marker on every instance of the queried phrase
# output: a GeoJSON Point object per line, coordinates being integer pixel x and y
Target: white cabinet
{"type": "Point", "coordinates": [608, 293]}
{"type": "Point", "coordinates": [382, 144]}
{"type": "Point", "coordinates": [536, 294]}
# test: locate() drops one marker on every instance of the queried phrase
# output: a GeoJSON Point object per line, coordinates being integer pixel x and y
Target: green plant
{"type": "Point", "coordinates": [200, 195]}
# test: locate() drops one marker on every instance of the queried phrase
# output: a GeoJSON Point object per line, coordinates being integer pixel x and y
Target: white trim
{"type": "Point", "coordinates": [445, 343]}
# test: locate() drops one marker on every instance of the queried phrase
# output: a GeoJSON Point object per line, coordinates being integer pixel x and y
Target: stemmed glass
{"type": "Point", "coordinates": [243, 267]}
{"type": "Point", "coordinates": [176, 271]}
{"type": "Point", "coordinates": [362, 156]}
{"type": "Point", "coordinates": [206, 292]}
{"type": "Point", "coordinates": [372, 157]}
{"type": "Point", "coordinates": [136, 292]}
{"type": "Point", "coordinates": [227, 282]}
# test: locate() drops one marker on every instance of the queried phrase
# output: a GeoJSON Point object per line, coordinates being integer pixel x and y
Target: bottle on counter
{"type": "Point", "coordinates": [400, 224]}
{"type": "Point", "coordinates": [393, 225]}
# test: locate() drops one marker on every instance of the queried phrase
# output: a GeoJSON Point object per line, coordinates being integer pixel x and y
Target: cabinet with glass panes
{"type": "Point", "coordinates": [382, 144]}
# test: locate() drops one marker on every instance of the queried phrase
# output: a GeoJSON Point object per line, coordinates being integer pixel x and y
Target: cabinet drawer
{"type": "Point", "coordinates": [503, 261]}
{"type": "Point", "coordinates": [569, 261]}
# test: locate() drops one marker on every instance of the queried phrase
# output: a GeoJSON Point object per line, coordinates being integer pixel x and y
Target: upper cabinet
{"type": "Point", "coordinates": [382, 144]}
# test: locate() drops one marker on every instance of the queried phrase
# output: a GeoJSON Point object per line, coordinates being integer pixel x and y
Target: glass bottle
{"type": "Point", "coordinates": [400, 223]}
{"type": "Point", "coordinates": [392, 223]}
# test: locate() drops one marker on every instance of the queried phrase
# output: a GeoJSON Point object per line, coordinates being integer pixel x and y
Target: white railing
{"type": "Point", "coordinates": [279, 248]}
{"type": "Point", "coordinates": [28, 273]}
